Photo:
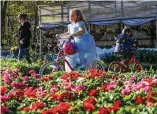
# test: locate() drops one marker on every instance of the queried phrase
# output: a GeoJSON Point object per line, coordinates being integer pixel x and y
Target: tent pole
{"type": "Point", "coordinates": [40, 42]}
{"type": "Point", "coordinates": [122, 14]}
{"type": "Point", "coordinates": [40, 30]}
{"type": "Point", "coordinates": [89, 8]}
{"type": "Point", "coordinates": [62, 13]}
{"type": "Point", "coordinates": [68, 9]}
{"type": "Point", "coordinates": [156, 34]}
{"type": "Point", "coordinates": [115, 7]}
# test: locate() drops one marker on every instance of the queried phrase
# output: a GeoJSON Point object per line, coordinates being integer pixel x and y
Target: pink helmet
{"type": "Point", "coordinates": [70, 48]}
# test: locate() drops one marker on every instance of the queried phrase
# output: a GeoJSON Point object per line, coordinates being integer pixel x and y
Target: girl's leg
{"type": "Point", "coordinates": [72, 60]}
{"type": "Point", "coordinates": [82, 60]}
{"type": "Point", "coordinates": [90, 57]}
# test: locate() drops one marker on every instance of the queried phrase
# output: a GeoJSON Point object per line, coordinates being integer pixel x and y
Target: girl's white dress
{"type": "Point", "coordinates": [86, 47]}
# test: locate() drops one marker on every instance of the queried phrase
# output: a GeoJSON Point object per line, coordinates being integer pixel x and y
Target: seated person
{"type": "Point", "coordinates": [126, 44]}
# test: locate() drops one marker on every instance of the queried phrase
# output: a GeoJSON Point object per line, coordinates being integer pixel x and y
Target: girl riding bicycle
{"type": "Point", "coordinates": [84, 41]}
{"type": "Point", "coordinates": [126, 44]}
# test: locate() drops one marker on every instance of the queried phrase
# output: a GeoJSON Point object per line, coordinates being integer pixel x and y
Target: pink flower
{"type": "Point", "coordinates": [4, 110]}
{"type": "Point", "coordinates": [147, 88]}
{"type": "Point", "coordinates": [143, 84]}
{"type": "Point", "coordinates": [133, 78]}
{"type": "Point", "coordinates": [36, 75]}
{"type": "Point", "coordinates": [32, 72]}
{"type": "Point", "coordinates": [54, 88]}
{"type": "Point", "coordinates": [136, 88]}
{"type": "Point", "coordinates": [5, 98]}
{"type": "Point", "coordinates": [154, 82]}
{"type": "Point", "coordinates": [41, 92]}
{"type": "Point", "coordinates": [26, 78]}
{"type": "Point", "coordinates": [125, 91]}
{"type": "Point", "coordinates": [111, 86]}
{"type": "Point", "coordinates": [7, 79]}
{"type": "Point", "coordinates": [18, 85]}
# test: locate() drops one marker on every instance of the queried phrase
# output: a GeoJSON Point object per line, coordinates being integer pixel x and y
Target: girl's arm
{"type": "Point", "coordinates": [79, 33]}
{"type": "Point", "coordinates": [65, 34]}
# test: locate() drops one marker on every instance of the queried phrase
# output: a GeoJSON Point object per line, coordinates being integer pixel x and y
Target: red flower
{"type": "Point", "coordinates": [93, 92]}
{"type": "Point", "coordinates": [61, 108]}
{"type": "Point", "coordinates": [115, 109]}
{"type": "Point", "coordinates": [19, 94]}
{"type": "Point", "coordinates": [150, 97]}
{"type": "Point", "coordinates": [3, 90]}
{"type": "Point", "coordinates": [37, 105]}
{"type": "Point", "coordinates": [67, 95]}
{"type": "Point", "coordinates": [26, 109]}
{"type": "Point", "coordinates": [66, 76]}
{"type": "Point", "coordinates": [91, 100]}
{"type": "Point", "coordinates": [71, 76]}
{"type": "Point", "coordinates": [139, 100]}
{"type": "Point", "coordinates": [104, 87]}
{"type": "Point", "coordinates": [64, 107]}
{"type": "Point", "coordinates": [89, 107]}
{"type": "Point", "coordinates": [31, 92]}
{"type": "Point", "coordinates": [89, 104]}
{"type": "Point", "coordinates": [104, 110]}
{"type": "Point", "coordinates": [93, 73]}
{"type": "Point", "coordinates": [46, 79]}
{"type": "Point", "coordinates": [74, 75]}
{"type": "Point", "coordinates": [48, 111]}
{"type": "Point", "coordinates": [118, 103]}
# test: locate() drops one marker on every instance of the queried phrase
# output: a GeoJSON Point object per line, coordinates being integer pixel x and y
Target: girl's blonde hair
{"type": "Point", "coordinates": [78, 13]}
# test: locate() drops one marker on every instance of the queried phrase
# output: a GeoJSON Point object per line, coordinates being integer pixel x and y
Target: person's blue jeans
{"type": "Point", "coordinates": [24, 53]}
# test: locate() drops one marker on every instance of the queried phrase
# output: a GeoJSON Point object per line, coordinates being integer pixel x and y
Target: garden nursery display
{"type": "Point", "coordinates": [90, 92]}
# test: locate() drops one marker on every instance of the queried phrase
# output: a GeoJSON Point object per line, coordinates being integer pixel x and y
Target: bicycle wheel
{"type": "Point", "coordinates": [137, 67]}
{"type": "Point", "coordinates": [97, 65]}
{"type": "Point", "coordinates": [49, 68]}
{"type": "Point", "coordinates": [114, 67]}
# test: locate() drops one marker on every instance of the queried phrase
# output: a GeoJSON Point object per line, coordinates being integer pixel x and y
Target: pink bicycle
{"type": "Point", "coordinates": [59, 63]}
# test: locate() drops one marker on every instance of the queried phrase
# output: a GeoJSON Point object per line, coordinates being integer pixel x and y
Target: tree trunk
{"type": "Point", "coordinates": [3, 13]}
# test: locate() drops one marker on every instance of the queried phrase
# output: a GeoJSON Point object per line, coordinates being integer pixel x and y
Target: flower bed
{"type": "Point", "coordinates": [92, 92]}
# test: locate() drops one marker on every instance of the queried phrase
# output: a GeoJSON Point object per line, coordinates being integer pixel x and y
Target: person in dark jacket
{"type": "Point", "coordinates": [24, 36]}
{"type": "Point", "coordinates": [126, 44]}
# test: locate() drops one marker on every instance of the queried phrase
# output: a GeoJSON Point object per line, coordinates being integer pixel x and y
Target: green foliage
{"type": "Point", "coordinates": [23, 65]}
{"type": "Point", "coordinates": [16, 7]}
